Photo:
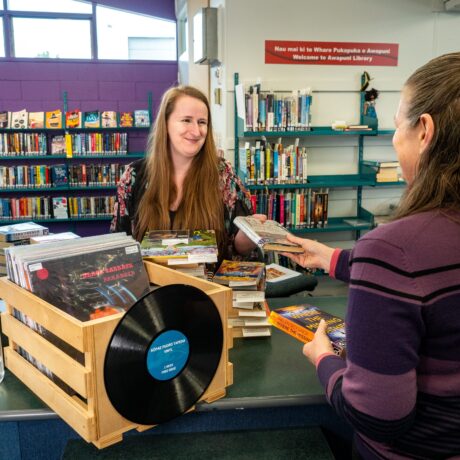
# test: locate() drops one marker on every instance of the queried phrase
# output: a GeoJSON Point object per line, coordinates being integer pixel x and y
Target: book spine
{"type": "Point", "coordinates": [291, 328]}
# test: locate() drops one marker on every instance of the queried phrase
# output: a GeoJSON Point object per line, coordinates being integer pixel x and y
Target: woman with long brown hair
{"type": "Point", "coordinates": [182, 183]}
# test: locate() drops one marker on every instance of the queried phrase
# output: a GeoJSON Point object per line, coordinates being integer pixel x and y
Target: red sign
{"type": "Point", "coordinates": [331, 53]}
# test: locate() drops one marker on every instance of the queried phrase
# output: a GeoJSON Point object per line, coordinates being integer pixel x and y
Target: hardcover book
{"type": "Point", "coordinates": [19, 119]}
{"type": "Point", "coordinates": [73, 119]}
{"type": "Point", "coordinates": [109, 119]}
{"type": "Point", "coordinates": [301, 321]}
{"type": "Point", "coordinates": [92, 284]}
{"type": "Point", "coordinates": [60, 207]}
{"type": "Point", "coordinates": [36, 120]}
{"type": "Point", "coordinates": [92, 119]}
{"type": "Point", "coordinates": [126, 119]}
{"type": "Point", "coordinates": [141, 118]}
{"type": "Point", "coordinates": [53, 119]}
{"type": "Point", "coordinates": [21, 231]}
{"type": "Point", "coordinates": [4, 119]}
{"type": "Point", "coordinates": [180, 246]}
{"type": "Point", "coordinates": [269, 236]}
{"type": "Point", "coordinates": [59, 175]}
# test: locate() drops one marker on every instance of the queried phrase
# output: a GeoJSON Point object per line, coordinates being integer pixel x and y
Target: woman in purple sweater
{"type": "Point", "coordinates": [399, 386]}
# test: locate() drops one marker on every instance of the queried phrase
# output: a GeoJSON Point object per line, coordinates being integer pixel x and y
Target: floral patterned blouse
{"type": "Point", "coordinates": [237, 200]}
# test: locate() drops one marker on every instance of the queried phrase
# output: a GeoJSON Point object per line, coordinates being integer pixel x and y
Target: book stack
{"type": "Point", "coordinates": [388, 171]}
{"type": "Point", "coordinates": [187, 251]}
{"type": "Point", "coordinates": [248, 315]}
{"type": "Point", "coordinates": [17, 235]}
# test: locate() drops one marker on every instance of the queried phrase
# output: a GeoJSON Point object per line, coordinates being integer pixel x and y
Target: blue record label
{"type": "Point", "coordinates": [168, 355]}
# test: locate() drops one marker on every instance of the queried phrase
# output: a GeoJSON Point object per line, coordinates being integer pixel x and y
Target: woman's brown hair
{"type": "Point", "coordinates": [435, 89]}
{"type": "Point", "coordinates": [201, 206]}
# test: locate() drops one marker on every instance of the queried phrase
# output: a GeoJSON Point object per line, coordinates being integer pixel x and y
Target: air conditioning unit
{"type": "Point", "coordinates": [452, 5]}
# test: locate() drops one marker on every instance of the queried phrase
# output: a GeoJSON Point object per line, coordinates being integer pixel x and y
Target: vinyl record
{"type": "Point", "coordinates": [163, 354]}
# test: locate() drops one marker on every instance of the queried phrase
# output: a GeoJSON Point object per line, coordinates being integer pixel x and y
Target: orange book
{"type": "Point", "coordinates": [53, 119]}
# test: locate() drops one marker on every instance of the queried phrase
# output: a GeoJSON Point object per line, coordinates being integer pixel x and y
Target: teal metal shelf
{"type": "Point", "coordinates": [73, 130]}
{"type": "Point", "coordinates": [345, 180]}
{"type": "Point", "coordinates": [335, 224]}
{"type": "Point", "coordinates": [69, 188]}
{"type": "Point", "coordinates": [385, 132]}
{"type": "Point", "coordinates": [314, 131]}
{"type": "Point", "coordinates": [74, 157]}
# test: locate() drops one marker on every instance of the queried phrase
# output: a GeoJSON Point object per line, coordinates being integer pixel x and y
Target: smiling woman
{"type": "Point", "coordinates": [183, 184]}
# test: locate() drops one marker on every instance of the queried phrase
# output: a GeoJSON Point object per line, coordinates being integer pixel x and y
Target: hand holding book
{"type": "Point", "coordinates": [314, 255]}
{"type": "Point", "coordinates": [319, 346]}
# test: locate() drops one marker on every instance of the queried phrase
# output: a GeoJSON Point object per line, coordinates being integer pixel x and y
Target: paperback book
{"type": "Point", "coordinates": [126, 119]}
{"type": "Point", "coordinates": [92, 119]}
{"type": "Point", "coordinates": [269, 235]}
{"type": "Point", "coordinates": [73, 119]}
{"type": "Point", "coordinates": [22, 231]}
{"type": "Point", "coordinates": [109, 119]}
{"type": "Point", "coordinates": [171, 247]}
{"type": "Point", "coordinates": [36, 120]}
{"type": "Point", "coordinates": [301, 322]}
{"type": "Point", "coordinates": [141, 118]}
{"type": "Point", "coordinates": [238, 273]}
{"type": "Point", "coordinates": [53, 119]}
{"type": "Point", "coordinates": [277, 273]}
{"type": "Point", "coordinates": [19, 119]}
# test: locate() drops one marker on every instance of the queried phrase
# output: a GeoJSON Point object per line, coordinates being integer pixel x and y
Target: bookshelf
{"type": "Point", "coordinates": [36, 181]}
{"type": "Point", "coordinates": [272, 185]}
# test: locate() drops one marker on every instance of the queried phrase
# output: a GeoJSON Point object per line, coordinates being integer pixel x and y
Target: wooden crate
{"type": "Point", "coordinates": [92, 416]}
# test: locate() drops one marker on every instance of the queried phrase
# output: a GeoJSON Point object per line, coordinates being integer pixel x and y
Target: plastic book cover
{"type": "Point", "coordinates": [58, 146]}
{"type": "Point", "coordinates": [126, 119]}
{"type": "Point", "coordinates": [109, 119]}
{"type": "Point", "coordinates": [141, 118]}
{"type": "Point", "coordinates": [59, 175]}
{"type": "Point", "coordinates": [234, 270]}
{"type": "Point", "coordinates": [60, 207]}
{"type": "Point", "coordinates": [53, 119]}
{"type": "Point", "coordinates": [19, 119]}
{"type": "Point", "coordinates": [92, 284]}
{"type": "Point", "coordinates": [36, 120]}
{"type": "Point", "coordinates": [73, 119]}
{"type": "Point", "coordinates": [21, 231]}
{"type": "Point", "coordinates": [4, 119]}
{"type": "Point", "coordinates": [269, 235]}
{"type": "Point", "coordinates": [92, 119]}
{"type": "Point", "coordinates": [193, 246]}
{"type": "Point", "coordinates": [301, 321]}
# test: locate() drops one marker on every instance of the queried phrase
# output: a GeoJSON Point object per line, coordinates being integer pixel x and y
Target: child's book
{"type": "Point", "coordinates": [269, 236]}
{"type": "Point", "coordinates": [19, 119]}
{"type": "Point", "coordinates": [4, 119]}
{"type": "Point", "coordinates": [73, 119]}
{"type": "Point", "coordinates": [141, 118]}
{"type": "Point", "coordinates": [109, 119]}
{"type": "Point", "coordinates": [126, 119]}
{"type": "Point", "coordinates": [301, 321]}
{"type": "Point", "coordinates": [53, 119]}
{"type": "Point", "coordinates": [36, 120]}
{"type": "Point", "coordinates": [92, 119]}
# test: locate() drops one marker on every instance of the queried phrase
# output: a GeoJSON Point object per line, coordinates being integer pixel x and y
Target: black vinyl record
{"type": "Point", "coordinates": [163, 354]}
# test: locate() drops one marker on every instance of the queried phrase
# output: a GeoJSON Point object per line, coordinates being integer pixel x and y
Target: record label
{"type": "Point", "coordinates": [163, 354]}
{"type": "Point", "coordinates": [168, 355]}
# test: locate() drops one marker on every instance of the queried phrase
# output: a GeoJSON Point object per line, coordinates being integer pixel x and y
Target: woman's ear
{"type": "Point", "coordinates": [427, 131]}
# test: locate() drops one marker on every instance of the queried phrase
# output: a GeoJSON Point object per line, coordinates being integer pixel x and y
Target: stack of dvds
{"type": "Point", "coordinates": [188, 251]}
{"type": "Point", "coordinates": [248, 315]}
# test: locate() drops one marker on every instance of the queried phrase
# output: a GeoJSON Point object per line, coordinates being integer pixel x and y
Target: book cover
{"type": "Point", "coordinates": [53, 119]}
{"type": "Point", "coordinates": [21, 231]}
{"type": "Point", "coordinates": [18, 119]}
{"type": "Point", "coordinates": [73, 119]}
{"type": "Point", "coordinates": [126, 119]}
{"type": "Point", "coordinates": [4, 119]}
{"type": "Point", "coordinates": [36, 120]}
{"type": "Point", "coordinates": [141, 118]}
{"type": "Point", "coordinates": [92, 284]}
{"type": "Point", "coordinates": [109, 119]}
{"type": "Point", "coordinates": [180, 246]}
{"type": "Point", "coordinates": [234, 270]}
{"type": "Point", "coordinates": [269, 236]}
{"type": "Point", "coordinates": [301, 321]}
{"type": "Point", "coordinates": [59, 175]}
{"type": "Point", "coordinates": [58, 145]}
{"type": "Point", "coordinates": [53, 237]}
{"type": "Point", "coordinates": [60, 207]}
{"type": "Point", "coordinates": [277, 273]}
{"type": "Point", "coordinates": [92, 119]}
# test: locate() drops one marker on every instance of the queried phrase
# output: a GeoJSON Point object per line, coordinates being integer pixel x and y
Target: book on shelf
{"type": "Point", "coordinates": [21, 231]}
{"type": "Point", "coordinates": [36, 120]}
{"type": "Point", "coordinates": [4, 119]}
{"type": "Point", "coordinates": [59, 175]}
{"type": "Point", "coordinates": [92, 119]}
{"type": "Point", "coordinates": [141, 118]}
{"type": "Point", "coordinates": [109, 119]}
{"type": "Point", "coordinates": [173, 247]}
{"type": "Point", "coordinates": [58, 145]}
{"type": "Point", "coordinates": [301, 321]}
{"type": "Point", "coordinates": [269, 235]}
{"type": "Point", "coordinates": [276, 273]}
{"type": "Point", "coordinates": [73, 119]}
{"type": "Point", "coordinates": [85, 277]}
{"type": "Point", "coordinates": [60, 207]}
{"type": "Point", "coordinates": [126, 119]}
{"type": "Point", "coordinates": [53, 119]}
{"type": "Point", "coordinates": [18, 120]}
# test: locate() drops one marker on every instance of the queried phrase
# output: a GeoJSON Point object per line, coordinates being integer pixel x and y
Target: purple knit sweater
{"type": "Point", "coordinates": [400, 385]}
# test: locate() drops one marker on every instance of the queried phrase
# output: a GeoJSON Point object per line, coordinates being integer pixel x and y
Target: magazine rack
{"type": "Point", "coordinates": [92, 415]}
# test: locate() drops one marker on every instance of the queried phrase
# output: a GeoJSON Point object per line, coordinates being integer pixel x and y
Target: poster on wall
{"type": "Point", "coordinates": [331, 53]}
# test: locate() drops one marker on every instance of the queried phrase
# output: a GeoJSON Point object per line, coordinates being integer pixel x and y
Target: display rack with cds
{"type": "Point", "coordinates": [133, 360]}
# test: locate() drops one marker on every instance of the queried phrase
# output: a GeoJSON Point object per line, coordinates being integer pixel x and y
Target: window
{"type": "Point", "coordinates": [56, 6]}
{"type": "Point", "coordinates": [53, 38]}
{"type": "Point", "coordinates": [122, 35]}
